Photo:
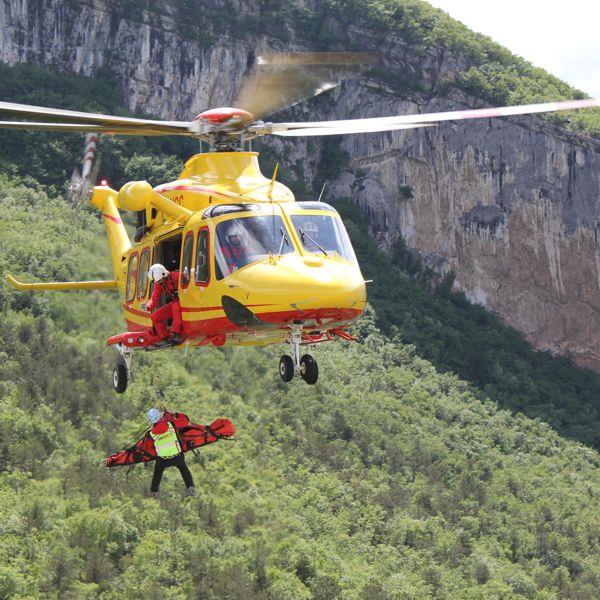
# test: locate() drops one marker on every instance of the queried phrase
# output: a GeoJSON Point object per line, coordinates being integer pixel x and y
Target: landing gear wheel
{"type": "Point", "coordinates": [309, 370]}
{"type": "Point", "coordinates": [120, 378]}
{"type": "Point", "coordinates": [286, 368]}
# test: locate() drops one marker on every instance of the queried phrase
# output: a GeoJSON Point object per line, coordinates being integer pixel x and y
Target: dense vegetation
{"type": "Point", "coordinates": [385, 480]}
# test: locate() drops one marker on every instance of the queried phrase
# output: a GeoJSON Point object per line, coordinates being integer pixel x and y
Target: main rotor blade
{"type": "Point", "coordinates": [59, 114]}
{"type": "Point", "coordinates": [384, 123]}
{"type": "Point", "coordinates": [90, 128]}
{"type": "Point", "coordinates": [345, 129]}
{"type": "Point", "coordinates": [278, 81]}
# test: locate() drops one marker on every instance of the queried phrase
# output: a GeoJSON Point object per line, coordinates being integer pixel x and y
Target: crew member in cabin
{"type": "Point", "coordinates": [309, 234]}
{"type": "Point", "coordinates": [233, 247]}
{"type": "Point", "coordinates": [168, 447]}
{"type": "Point", "coordinates": [165, 283]}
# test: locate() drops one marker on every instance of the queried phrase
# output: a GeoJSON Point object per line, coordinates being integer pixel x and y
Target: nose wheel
{"type": "Point", "coordinates": [122, 370]}
{"type": "Point", "coordinates": [306, 366]}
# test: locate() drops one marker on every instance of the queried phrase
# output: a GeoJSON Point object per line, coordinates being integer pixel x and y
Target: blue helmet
{"type": "Point", "coordinates": [154, 415]}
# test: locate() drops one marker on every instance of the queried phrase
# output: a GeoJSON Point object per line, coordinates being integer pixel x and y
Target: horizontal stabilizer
{"type": "Point", "coordinates": [62, 285]}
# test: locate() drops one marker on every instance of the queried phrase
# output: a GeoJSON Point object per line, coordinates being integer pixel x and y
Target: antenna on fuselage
{"type": "Point", "coordinates": [273, 180]}
{"type": "Point", "coordinates": [322, 190]}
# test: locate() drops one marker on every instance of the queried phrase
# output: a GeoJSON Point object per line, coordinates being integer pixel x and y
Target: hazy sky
{"type": "Point", "coordinates": [561, 37]}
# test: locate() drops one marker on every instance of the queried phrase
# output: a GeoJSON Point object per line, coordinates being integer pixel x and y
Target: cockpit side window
{"type": "Point", "coordinates": [239, 242]}
{"type": "Point", "coordinates": [324, 234]}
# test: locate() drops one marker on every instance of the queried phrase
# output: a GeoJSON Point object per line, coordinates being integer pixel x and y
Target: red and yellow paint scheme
{"type": "Point", "coordinates": [299, 279]}
{"type": "Point", "coordinates": [285, 283]}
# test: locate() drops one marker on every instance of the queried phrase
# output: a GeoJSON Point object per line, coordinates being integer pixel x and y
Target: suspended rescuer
{"type": "Point", "coordinates": [170, 435]}
{"type": "Point", "coordinates": [168, 448]}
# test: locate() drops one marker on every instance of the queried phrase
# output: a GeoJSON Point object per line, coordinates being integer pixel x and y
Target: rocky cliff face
{"type": "Point", "coordinates": [512, 207]}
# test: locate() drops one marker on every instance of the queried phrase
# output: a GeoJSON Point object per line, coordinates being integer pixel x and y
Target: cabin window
{"type": "Point", "coordinates": [324, 234]}
{"type": "Point", "coordinates": [168, 252]}
{"type": "Point", "coordinates": [240, 242]}
{"type": "Point", "coordinates": [202, 274]}
{"type": "Point", "coordinates": [186, 259]}
{"type": "Point", "coordinates": [142, 278]}
{"type": "Point", "coordinates": [132, 271]}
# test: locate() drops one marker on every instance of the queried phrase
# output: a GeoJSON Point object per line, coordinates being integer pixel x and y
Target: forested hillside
{"type": "Point", "coordinates": [391, 478]}
{"type": "Point", "coordinates": [385, 480]}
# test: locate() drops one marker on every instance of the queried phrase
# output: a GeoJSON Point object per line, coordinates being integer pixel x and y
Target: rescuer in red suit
{"type": "Point", "coordinates": [168, 447]}
{"type": "Point", "coordinates": [165, 282]}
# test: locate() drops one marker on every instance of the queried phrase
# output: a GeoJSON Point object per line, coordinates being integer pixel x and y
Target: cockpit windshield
{"type": "Point", "coordinates": [324, 234]}
{"type": "Point", "coordinates": [240, 242]}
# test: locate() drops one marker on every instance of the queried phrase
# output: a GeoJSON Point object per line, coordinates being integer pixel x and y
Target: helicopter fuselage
{"type": "Point", "coordinates": [253, 263]}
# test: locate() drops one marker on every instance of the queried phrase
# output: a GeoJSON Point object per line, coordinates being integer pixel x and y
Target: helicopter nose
{"type": "Point", "coordinates": [295, 288]}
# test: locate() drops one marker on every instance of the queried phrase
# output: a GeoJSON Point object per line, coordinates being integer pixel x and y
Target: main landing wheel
{"type": "Point", "coordinates": [309, 370]}
{"type": "Point", "coordinates": [286, 368]}
{"type": "Point", "coordinates": [120, 378]}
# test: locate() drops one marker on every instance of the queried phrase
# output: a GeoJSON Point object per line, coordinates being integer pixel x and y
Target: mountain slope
{"type": "Point", "coordinates": [386, 479]}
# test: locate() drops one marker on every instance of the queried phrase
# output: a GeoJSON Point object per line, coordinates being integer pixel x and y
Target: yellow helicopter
{"type": "Point", "coordinates": [254, 266]}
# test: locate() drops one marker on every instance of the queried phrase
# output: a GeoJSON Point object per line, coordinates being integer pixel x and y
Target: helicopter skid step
{"type": "Point", "coordinates": [137, 339]}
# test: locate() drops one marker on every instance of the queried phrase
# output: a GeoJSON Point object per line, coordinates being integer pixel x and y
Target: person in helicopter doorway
{"type": "Point", "coordinates": [165, 282]}
{"type": "Point", "coordinates": [233, 248]}
{"type": "Point", "coordinates": [168, 449]}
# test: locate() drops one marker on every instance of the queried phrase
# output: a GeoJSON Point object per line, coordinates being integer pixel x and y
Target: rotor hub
{"type": "Point", "coordinates": [225, 116]}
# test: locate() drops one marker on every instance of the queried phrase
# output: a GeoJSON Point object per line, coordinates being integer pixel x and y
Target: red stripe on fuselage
{"type": "Point", "coordinates": [202, 328]}
{"type": "Point", "coordinates": [114, 219]}
{"type": "Point", "coordinates": [207, 308]}
{"type": "Point", "coordinates": [187, 309]}
{"type": "Point", "coordinates": [135, 311]}
{"type": "Point", "coordinates": [200, 309]}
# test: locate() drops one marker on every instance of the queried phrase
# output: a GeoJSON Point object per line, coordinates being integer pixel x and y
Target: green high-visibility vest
{"type": "Point", "coordinates": [166, 444]}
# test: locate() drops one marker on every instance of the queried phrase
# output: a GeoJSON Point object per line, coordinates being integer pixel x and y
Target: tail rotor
{"type": "Point", "coordinates": [82, 182]}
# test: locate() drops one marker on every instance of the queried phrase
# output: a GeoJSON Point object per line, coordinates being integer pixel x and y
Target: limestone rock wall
{"type": "Point", "coordinates": [512, 207]}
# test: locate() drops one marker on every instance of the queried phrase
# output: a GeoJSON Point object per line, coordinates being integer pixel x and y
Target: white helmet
{"type": "Point", "coordinates": [154, 415]}
{"type": "Point", "coordinates": [157, 272]}
{"type": "Point", "coordinates": [235, 229]}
